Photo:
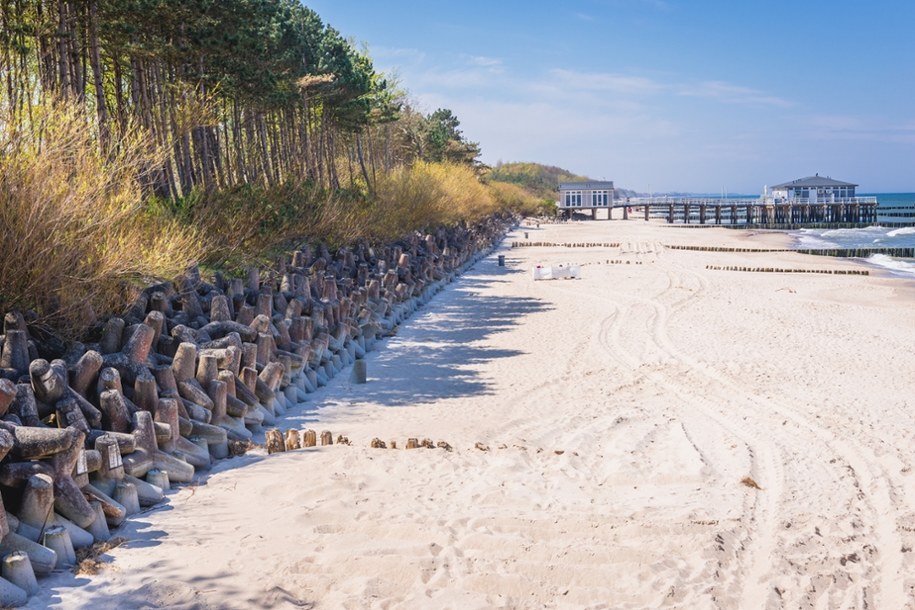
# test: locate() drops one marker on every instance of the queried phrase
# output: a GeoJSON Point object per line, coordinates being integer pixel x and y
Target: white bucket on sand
{"type": "Point", "coordinates": [563, 271]}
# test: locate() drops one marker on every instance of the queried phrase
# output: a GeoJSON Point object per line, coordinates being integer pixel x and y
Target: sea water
{"type": "Point", "coordinates": [884, 235]}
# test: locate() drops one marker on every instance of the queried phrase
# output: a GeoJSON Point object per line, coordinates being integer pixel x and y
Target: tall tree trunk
{"type": "Point", "coordinates": [78, 55]}
{"type": "Point", "coordinates": [119, 97]}
{"type": "Point", "coordinates": [365, 173]}
{"type": "Point", "coordinates": [256, 165]}
{"type": "Point", "coordinates": [63, 53]}
{"type": "Point", "coordinates": [101, 106]}
{"type": "Point", "coordinates": [265, 153]}
{"type": "Point", "coordinates": [240, 160]}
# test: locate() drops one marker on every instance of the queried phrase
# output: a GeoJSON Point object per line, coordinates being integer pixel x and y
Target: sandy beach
{"type": "Point", "coordinates": [655, 434]}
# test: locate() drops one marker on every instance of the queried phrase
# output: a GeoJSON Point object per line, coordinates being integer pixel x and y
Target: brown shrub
{"type": "Point", "coordinates": [77, 238]}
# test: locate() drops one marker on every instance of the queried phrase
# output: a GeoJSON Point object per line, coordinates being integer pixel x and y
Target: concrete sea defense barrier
{"type": "Point", "coordinates": [91, 432]}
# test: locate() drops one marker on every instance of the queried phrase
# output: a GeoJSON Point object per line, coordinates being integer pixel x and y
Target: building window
{"type": "Point", "coordinates": [599, 198]}
{"type": "Point", "coordinates": [573, 199]}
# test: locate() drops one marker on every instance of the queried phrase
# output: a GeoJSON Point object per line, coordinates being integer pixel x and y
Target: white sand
{"type": "Point", "coordinates": [621, 412]}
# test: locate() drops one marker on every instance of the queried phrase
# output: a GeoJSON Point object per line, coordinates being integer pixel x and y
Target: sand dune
{"type": "Point", "coordinates": [617, 416]}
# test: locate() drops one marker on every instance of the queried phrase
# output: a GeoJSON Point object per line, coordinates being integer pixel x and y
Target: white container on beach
{"type": "Point", "coordinates": [554, 272]}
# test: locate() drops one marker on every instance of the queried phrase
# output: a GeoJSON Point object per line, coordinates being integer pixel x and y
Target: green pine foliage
{"type": "Point", "coordinates": [139, 135]}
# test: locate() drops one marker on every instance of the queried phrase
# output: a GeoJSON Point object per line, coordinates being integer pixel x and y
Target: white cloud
{"type": "Point", "coordinates": [862, 129]}
{"type": "Point", "coordinates": [626, 126]}
{"type": "Point", "coordinates": [604, 81]}
{"type": "Point", "coordinates": [400, 54]}
{"type": "Point", "coordinates": [733, 94]}
{"type": "Point", "coordinates": [634, 85]}
{"type": "Point", "coordinates": [656, 5]}
{"type": "Point", "coordinates": [482, 61]}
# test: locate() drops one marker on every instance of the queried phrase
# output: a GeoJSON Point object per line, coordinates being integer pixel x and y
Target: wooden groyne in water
{"type": "Point", "coordinates": [837, 252]}
{"type": "Point", "coordinates": [830, 226]}
{"type": "Point", "coordinates": [860, 252]}
{"type": "Point", "coordinates": [90, 433]}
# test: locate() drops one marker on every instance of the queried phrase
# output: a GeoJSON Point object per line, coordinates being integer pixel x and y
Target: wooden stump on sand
{"type": "Point", "coordinates": [292, 440]}
{"type": "Point", "coordinates": [275, 443]}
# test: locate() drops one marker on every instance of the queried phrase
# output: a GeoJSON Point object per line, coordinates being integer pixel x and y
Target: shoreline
{"type": "Point", "coordinates": [776, 238]}
{"type": "Point", "coordinates": [619, 414]}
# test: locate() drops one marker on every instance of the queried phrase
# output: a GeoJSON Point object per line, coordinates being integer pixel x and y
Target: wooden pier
{"type": "Point", "coordinates": [860, 211]}
{"type": "Point", "coordinates": [758, 213]}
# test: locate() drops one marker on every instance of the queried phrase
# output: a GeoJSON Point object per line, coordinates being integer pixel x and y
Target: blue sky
{"type": "Point", "coordinates": [687, 95]}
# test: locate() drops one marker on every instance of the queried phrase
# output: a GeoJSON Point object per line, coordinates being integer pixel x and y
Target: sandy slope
{"type": "Point", "coordinates": [620, 412]}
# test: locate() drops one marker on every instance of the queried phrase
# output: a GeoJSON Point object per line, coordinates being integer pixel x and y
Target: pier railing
{"type": "Point", "coordinates": [760, 212]}
{"type": "Point", "coordinates": [763, 213]}
{"type": "Point", "coordinates": [743, 201]}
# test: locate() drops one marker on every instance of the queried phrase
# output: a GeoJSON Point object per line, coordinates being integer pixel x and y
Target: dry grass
{"type": "Point", "coordinates": [427, 195]}
{"type": "Point", "coordinates": [79, 239]}
{"type": "Point", "coordinates": [251, 223]}
{"type": "Point", "coordinates": [88, 558]}
{"type": "Point", "coordinates": [514, 198]}
{"type": "Point", "coordinates": [76, 235]}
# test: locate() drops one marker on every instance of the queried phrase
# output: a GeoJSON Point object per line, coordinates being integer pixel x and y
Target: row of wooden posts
{"type": "Point", "coordinates": [780, 270]}
{"type": "Point", "coordinates": [836, 252]}
{"type": "Point", "coordinates": [548, 244]}
{"type": "Point", "coordinates": [90, 432]}
{"type": "Point", "coordinates": [278, 442]}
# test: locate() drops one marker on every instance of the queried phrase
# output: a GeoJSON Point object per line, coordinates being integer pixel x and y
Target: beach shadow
{"type": "Point", "coordinates": [431, 357]}
{"type": "Point", "coordinates": [512, 267]}
{"type": "Point", "coordinates": [172, 589]}
{"type": "Point", "coordinates": [436, 353]}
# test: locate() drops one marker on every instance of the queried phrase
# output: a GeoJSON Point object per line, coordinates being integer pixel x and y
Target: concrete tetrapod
{"type": "Point", "coordinates": [158, 388]}
{"type": "Point", "coordinates": [36, 507]}
{"type": "Point", "coordinates": [177, 445]}
{"type": "Point", "coordinates": [19, 582]}
{"type": "Point", "coordinates": [235, 428]}
{"type": "Point", "coordinates": [54, 452]}
{"type": "Point", "coordinates": [57, 538]}
{"type": "Point", "coordinates": [42, 558]}
{"type": "Point", "coordinates": [104, 481]}
{"type": "Point", "coordinates": [147, 454]}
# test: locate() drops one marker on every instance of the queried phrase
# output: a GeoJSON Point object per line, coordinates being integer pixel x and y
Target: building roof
{"type": "Point", "coordinates": [584, 186]}
{"type": "Point", "coordinates": [812, 181]}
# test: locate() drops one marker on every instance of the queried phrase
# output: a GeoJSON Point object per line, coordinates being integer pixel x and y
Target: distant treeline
{"type": "Point", "coordinates": [542, 180]}
{"type": "Point", "coordinates": [234, 91]}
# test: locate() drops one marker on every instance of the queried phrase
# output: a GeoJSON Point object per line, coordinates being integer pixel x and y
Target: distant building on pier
{"type": "Point", "coordinates": [585, 195]}
{"type": "Point", "coordinates": [814, 189]}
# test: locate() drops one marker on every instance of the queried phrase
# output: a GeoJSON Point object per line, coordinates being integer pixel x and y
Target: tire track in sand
{"type": "Point", "coordinates": [866, 469]}
{"type": "Point", "coordinates": [765, 454]}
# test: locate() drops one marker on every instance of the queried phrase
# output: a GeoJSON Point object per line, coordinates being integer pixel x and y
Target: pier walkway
{"type": "Point", "coordinates": [758, 212]}
{"type": "Point", "coordinates": [688, 210]}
